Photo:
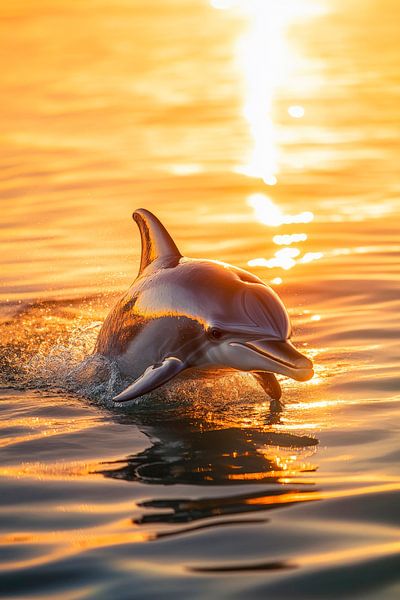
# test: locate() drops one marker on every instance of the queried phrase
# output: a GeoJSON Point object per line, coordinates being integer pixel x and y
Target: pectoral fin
{"type": "Point", "coordinates": [151, 379]}
{"type": "Point", "coordinates": [269, 383]}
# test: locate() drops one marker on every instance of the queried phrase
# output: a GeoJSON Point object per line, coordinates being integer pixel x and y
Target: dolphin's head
{"type": "Point", "coordinates": [248, 328]}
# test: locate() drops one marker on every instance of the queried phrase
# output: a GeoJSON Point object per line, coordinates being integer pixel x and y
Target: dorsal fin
{"type": "Point", "coordinates": [156, 241]}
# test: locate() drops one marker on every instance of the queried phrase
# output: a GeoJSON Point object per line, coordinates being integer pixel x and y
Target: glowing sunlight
{"type": "Point", "coordinates": [266, 60]}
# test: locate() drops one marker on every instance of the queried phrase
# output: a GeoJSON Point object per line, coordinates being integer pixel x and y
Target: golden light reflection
{"type": "Point", "coordinates": [72, 542]}
{"type": "Point", "coordinates": [283, 259]}
{"type": "Point", "coordinates": [288, 239]}
{"type": "Point", "coordinates": [266, 60]}
{"type": "Point", "coordinates": [307, 406]}
{"type": "Point", "coordinates": [261, 54]}
{"type": "Point", "coordinates": [57, 471]}
{"type": "Point", "coordinates": [268, 213]}
{"type": "Point", "coordinates": [310, 256]}
{"type": "Point", "coordinates": [222, 4]}
{"type": "Point", "coordinates": [185, 169]}
{"type": "Point", "coordinates": [328, 494]}
{"type": "Point", "coordinates": [296, 111]}
{"type": "Point", "coordinates": [351, 554]}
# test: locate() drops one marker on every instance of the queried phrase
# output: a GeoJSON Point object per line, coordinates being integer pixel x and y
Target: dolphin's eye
{"type": "Point", "coordinates": [215, 334]}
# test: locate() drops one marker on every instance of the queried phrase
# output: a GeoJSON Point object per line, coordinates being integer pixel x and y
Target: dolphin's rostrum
{"type": "Point", "coordinates": [196, 318]}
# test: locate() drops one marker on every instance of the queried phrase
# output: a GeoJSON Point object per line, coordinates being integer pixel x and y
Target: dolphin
{"type": "Point", "coordinates": [194, 318]}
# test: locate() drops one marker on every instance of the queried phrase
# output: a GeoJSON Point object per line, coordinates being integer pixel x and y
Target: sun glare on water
{"type": "Point", "coordinates": [270, 214]}
{"type": "Point", "coordinates": [266, 61]}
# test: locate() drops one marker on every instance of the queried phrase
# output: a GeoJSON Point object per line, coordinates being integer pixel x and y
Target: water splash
{"type": "Point", "coordinates": [62, 368]}
{"type": "Point", "coordinates": [50, 347]}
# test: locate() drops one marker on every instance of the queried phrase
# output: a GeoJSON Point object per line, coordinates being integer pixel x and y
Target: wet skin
{"type": "Point", "coordinates": [194, 318]}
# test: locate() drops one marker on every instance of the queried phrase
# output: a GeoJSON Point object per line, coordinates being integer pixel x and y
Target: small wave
{"type": "Point", "coordinates": [45, 348]}
{"type": "Point", "coordinates": [94, 376]}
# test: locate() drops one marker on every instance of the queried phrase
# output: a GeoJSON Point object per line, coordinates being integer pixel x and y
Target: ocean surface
{"type": "Point", "coordinates": [262, 133]}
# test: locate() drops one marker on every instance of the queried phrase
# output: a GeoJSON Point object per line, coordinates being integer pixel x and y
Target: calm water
{"type": "Point", "coordinates": [266, 135]}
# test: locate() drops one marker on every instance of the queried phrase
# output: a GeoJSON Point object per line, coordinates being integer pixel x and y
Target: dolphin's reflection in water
{"type": "Point", "coordinates": [185, 451]}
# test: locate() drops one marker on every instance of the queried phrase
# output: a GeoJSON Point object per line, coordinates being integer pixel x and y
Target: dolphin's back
{"type": "Point", "coordinates": [215, 294]}
{"type": "Point", "coordinates": [204, 292]}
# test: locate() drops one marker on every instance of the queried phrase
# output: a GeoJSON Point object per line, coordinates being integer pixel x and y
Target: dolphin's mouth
{"type": "Point", "coordinates": [288, 360]}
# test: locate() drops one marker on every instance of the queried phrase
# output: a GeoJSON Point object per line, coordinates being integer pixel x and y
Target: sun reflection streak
{"type": "Point", "coordinates": [262, 55]}
{"type": "Point", "coordinates": [266, 60]}
{"type": "Point", "coordinates": [285, 258]}
{"type": "Point", "coordinates": [310, 256]}
{"type": "Point", "coordinates": [287, 239]}
{"type": "Point", "coordinates": [268, 213]}
{"type": "Point", "coordinates": [296, 111]}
